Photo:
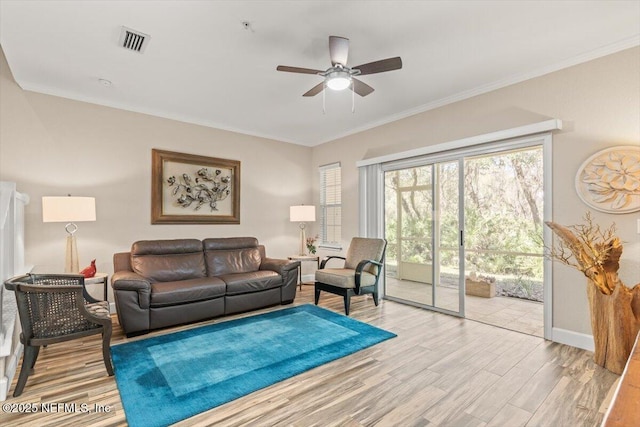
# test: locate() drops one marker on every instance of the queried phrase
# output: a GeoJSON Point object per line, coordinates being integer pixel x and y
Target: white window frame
{"type": "Point", "coordinates": [324, 205]}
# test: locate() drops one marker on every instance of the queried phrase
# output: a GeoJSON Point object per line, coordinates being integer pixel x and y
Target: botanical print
{"type": "Point", "coordinates": [610, 180]}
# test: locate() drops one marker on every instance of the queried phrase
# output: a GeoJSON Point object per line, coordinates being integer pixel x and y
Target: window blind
{"type": "Point", "coordinates": [330, 205]}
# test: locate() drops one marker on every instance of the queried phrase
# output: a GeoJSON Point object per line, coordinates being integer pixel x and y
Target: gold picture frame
{"type": "Point", "coordinates": [193, 189]}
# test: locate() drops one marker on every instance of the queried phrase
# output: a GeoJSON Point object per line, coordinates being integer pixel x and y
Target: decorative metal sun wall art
{"type": "Point", "coordinates": [609, 181]}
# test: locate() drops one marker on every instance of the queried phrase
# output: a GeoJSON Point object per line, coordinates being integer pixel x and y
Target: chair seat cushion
{"type": "Point", "coordinates": [173, 293]}
{"type": "Point", "coordinates": [99, 309]}
{"type": "Point", "coordinates": [255, 281]}
{"type": "Point", "coordinates": [344, 277]}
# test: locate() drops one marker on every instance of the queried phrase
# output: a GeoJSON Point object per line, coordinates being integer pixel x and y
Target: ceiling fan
{"type": "Point", "coordinates": [339, 76]}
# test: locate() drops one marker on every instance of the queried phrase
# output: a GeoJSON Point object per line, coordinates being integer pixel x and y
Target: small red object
{"type": "Point", "coordinates": [89, 271]}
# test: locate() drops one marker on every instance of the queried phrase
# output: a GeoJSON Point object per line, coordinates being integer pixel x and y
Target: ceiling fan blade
{"type": "Point", "coordinates": [315, 90]}
{"type": "Point", "coordinates": [339, 50]}
{"type": "Point", "coordinates": [297, 70]}
{"type": "Point", "coordinates": [361, 88]}
{"type": "Point", "coordinates": [381, 66]}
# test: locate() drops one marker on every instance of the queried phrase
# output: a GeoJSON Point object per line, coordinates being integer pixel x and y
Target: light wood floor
{"type": "Point", "coordinates": [438, 371]}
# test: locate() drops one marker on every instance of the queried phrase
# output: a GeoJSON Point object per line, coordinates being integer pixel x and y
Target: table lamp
{"type": "Point", "coordinates": [70, 210]}
{"type": "Point", "coordinates": [302, 214]}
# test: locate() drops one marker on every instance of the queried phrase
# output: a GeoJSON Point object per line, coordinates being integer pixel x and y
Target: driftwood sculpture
{"type": "Point", "coordinates": [615, 308]}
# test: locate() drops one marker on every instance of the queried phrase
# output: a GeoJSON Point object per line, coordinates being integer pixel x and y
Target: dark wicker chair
{"type": "Point", "coordinates": [55, 308]}
{"type": "Point", "coordinates": [359, 275]}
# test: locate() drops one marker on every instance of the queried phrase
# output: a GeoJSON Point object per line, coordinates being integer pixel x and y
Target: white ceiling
{"type": "Point", "coordinates": [202, 66]}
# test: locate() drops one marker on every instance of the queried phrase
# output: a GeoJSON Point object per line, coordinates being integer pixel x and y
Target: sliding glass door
{"type": "Point", "coordinates": [449, 288]}
{"type": "Point", "coordinates": [465, 230]}
{"type": "Point", "coordinates": [422, 228]}
{"type": "Point", "coordinates": [468, 227]}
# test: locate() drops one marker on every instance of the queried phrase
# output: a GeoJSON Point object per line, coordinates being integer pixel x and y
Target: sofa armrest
{"type": "Point", "coordinates": [280, 266]}
{"type": "Point", "coordinates": [289, 271]}
{"type": "Point", "coordinates": [129, 281]}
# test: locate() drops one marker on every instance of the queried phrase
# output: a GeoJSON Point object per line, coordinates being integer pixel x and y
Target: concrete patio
{"type": "Point", "coordinates": [510, 313]}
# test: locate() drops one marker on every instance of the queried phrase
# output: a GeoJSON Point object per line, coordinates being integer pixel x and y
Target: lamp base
{"type": "Point", "coordinates": [303, 239]}
{"type": "Point", "coordinates": [71, 264]}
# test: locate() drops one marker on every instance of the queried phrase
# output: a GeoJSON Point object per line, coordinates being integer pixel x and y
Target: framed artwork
{"type": "Point", "coordinates": [609, 181]}
{"type": "Point", "coordinates": [192, 189]}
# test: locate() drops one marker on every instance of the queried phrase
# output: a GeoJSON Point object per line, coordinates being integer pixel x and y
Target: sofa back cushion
{"type": "Point", "coordinates": [168, 260]}
{"type": "Point", "coordinates": [232, 255]}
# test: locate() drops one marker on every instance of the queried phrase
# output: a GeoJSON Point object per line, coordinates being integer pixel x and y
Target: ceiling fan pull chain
{"type": "Point", "coordinates": [353, 100]}
{"type": "Point", "coordinates": [323, 99]}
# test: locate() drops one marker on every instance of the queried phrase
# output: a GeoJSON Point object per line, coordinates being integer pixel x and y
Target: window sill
{"type": "Point", "coordinates": [335, 247]}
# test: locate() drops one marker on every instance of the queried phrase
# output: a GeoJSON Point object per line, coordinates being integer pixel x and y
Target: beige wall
{"type": "Point", "coordinates": [599, 103]}
{"type": "Point", "coordinates": [54, 146]}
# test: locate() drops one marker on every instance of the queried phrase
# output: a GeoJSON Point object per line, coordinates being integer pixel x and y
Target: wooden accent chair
{"type": "Point", "coordinates": [359, 275]}
{"type": "Point", "coordinates": [55, 308]}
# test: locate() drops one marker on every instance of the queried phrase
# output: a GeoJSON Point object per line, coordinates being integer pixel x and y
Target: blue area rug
{"type": "Point", "coordinates": [169, 378]}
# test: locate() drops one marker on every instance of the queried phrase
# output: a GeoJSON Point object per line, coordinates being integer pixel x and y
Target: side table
{"type": "Point", "coordinates": [97, 279]}
{"type": "Point", "coordinates": [303, 258]}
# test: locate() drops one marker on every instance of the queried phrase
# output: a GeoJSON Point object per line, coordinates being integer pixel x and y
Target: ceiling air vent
{"type": "Point", "coordinates": [133, 40]}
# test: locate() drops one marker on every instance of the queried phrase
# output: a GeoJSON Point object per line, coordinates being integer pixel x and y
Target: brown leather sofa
{"type": "Point", "coordinates": [163, 283]}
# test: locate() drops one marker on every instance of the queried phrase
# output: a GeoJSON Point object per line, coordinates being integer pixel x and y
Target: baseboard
{"type": "Point", "coordinates": [112, 307]}
{"type": "Point", "coordinates": [308, 278]}
{"type": "Point", "coordinates": [11, 367]}
{"type": "Point", "coordinates": [574, 339]}
{"type": "Point", "coordinates": [4, 388]}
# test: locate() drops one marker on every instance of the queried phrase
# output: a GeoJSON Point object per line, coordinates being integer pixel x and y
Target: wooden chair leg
{"type": "Point", "coordinates": [375, 298]}
{"type": "Point", "coordinates": [106, 349]}
{"type": "Point", "coordinates": [35, 357]}
{"type": "Point", "coordinates": [28, 362]}
{"type": "Point", "coordinates": [347, 303]}
{"type": "Point", "coordinates": [317, 295]}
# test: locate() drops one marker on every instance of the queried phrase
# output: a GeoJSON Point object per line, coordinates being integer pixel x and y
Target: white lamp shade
{"type": "Point", "coordinates": [302, 213]}
{"type": "Point", "coordinates": [68, 209]}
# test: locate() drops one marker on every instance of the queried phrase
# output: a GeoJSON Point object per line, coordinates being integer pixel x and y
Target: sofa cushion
{"type": "Point", "coordinates": [244, 283]}
{"type": "Point", "coordinates": [184, 291]}
{"type": "Point", "coordinates": [168, 260]}
{"type": "Point", "coordinates": [226, 243]}
{"type": "Point", "coordinates": [231, 255]}
{"type": "Point", "coordinates": [232, 262]}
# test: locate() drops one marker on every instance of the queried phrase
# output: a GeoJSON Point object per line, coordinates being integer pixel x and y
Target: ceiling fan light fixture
{"type": "Point", "coordinates": [338, 80]}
